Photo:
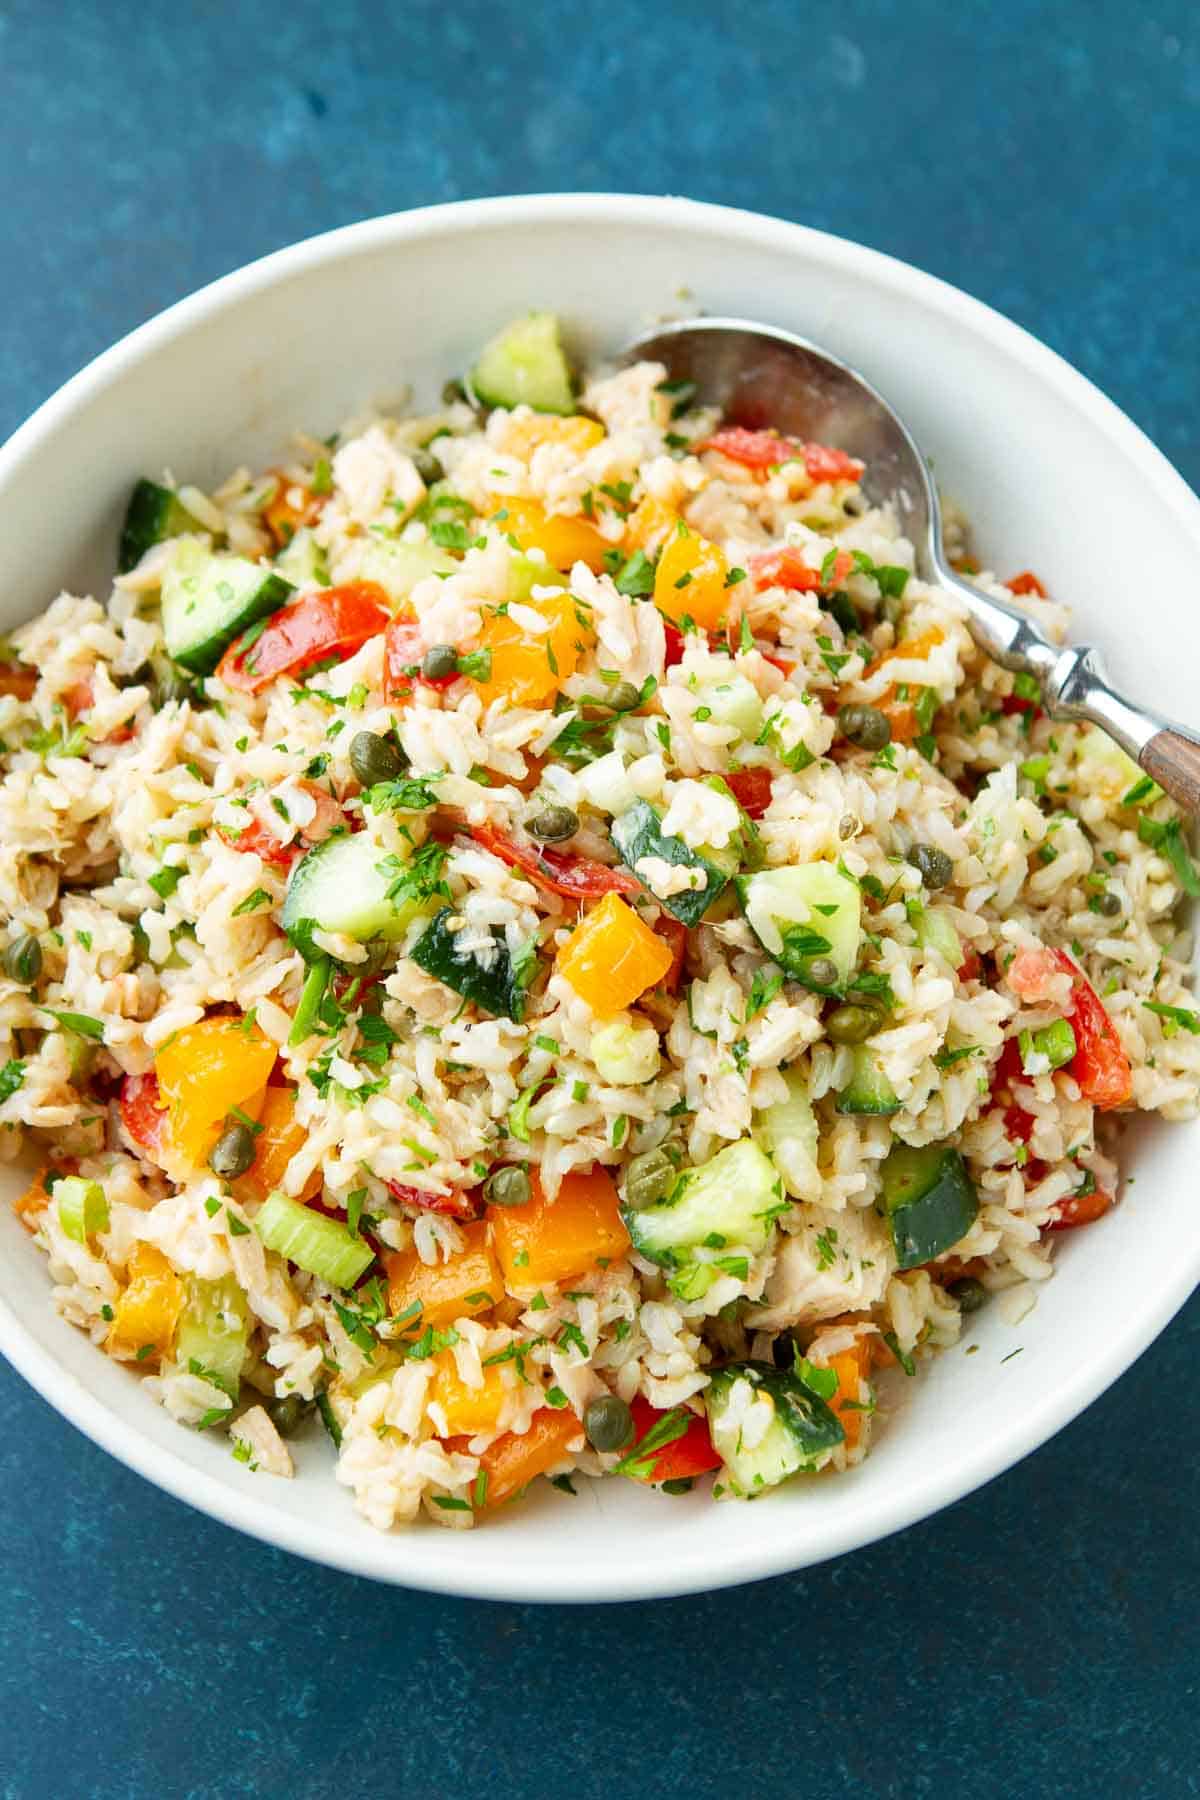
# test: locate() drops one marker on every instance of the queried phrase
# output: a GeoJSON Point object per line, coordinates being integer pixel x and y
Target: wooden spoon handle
{"type": "Point", "coordinates": [1174, 762]}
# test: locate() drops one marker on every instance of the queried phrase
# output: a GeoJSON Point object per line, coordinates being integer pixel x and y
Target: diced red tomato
{"type": "Point", "coordinates": [403, 649]}
{"type": "Point", "coordinates": [784, 568]}
{"type": "Point", "coordinates": [1100, 1064]}
{"type": "Point", "coordinates": [1018, 1124]}
{"type": "Point", "coordinates": [1026, 583]}
{"type": "Point", "coordinates": [767, 449]}
{"type": "Point", "coordinates": [675, 932]}
{"type": "Point", "coordinates": [262, 841]}
{"type": "Point", "coordinates": [1080, 1209]}
{"type": "Point", "coordinates": [80, 697]}
{"type": "Point", "coordinates": [455, 1205]}
{"type": "Point", "coordinates": [332, 623]}
{"type": "Point", "coordinates": [751, 788]}
{"type": "Point", "coordinates": [970, 968]}
{"type": "Point", "coordinates": [685, 1456]}
{"type": "Point", "coordinates": [574, 877]}
{"type": "Point", "coordinates": [16, 679]}
{"type": "Point", "coordinates": [143, 1114]}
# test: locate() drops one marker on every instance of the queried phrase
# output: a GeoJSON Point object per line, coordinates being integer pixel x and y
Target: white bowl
{"type": "Point", "coordinates": [1054, 478]}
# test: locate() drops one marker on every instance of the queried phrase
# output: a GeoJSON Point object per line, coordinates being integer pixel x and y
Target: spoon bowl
{"type": "Point", "coordinates": [765, 378]}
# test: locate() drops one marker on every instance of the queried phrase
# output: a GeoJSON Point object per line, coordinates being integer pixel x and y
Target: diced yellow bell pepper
{"type": "Point", "coordinates": [146, 1315]}
{"type": "Point", "coordinates": [511, 1463]}
{"type": "Point", "coordinates": [546, 1242]}
{"type": "Point", "coordinates": [469, 1410]}
{"type": "Point", "coordinates": [650, 524]}
{"type": "Point", "coordinates": [523, 436]}
{"type": "Point", "coordinates": [690, 581]}
{"type": "Point", "coordinates": [529, 666]}
{"type": "Point", "coordinates": [564, 541]}
{"type": "Point", "coordinates": [204, 1071]}
{"type": "Point", "coordinates": [612, 956]}
{"type": "Point", "coordinates": [469, 1283]}
{"type": "Point", "coordinates": [279, 1137]}
{"type": "Point", "coordinates": [851, 1368]}
{"type": "Point", "coordinates": [30, 1205]}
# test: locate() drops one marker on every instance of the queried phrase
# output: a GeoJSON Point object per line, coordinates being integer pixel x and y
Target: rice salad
{"type": "Point", "coordinates": [534, 941]}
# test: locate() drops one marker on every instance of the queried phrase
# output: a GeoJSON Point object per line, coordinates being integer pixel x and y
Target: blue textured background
{"type": "Point", "coordinates": [1040, 1637]}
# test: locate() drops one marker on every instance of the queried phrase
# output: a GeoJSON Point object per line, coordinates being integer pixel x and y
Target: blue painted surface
{"type": "Point", "coordinates": [1040, 1637]}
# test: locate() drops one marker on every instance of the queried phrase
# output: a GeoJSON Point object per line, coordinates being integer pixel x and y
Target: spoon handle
{"type": "Point", "coordinates": [1172, 757]}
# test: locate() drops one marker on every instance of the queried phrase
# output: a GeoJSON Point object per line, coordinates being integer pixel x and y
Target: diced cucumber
{"type": "Point", "coordinates": [733, 701]}
{"type": "Point", "coordinates": [525, 365]}
{"type": "Point", "coordinates": [398, 567]}
{"type": "Point", "coordinates": [927, 1199]}
{"type": "Point", "coordinates": [804, 917]}
{"type": "Point", "coordinates": [935, 931]}
{"type": "Point", "coordinates": [493, 979]}
{"type": "Point", "coordinates": [726, 1202]}
{"type": "Point", "coordinates": [153, 514]}
{"type": "Point", "coordinates": [208, 599]}
{"type": "Point", "coordinates": [801, 1433]}
{"type": "Point", "coordinates": [868, 1089]}
{"type": "Point", "coordinates": [323, 1247]}
{"type": "Point", "coordinates": [213, 1331]}
{"type": "Point", "coordinates": [82, 1207]}
{"type": "Point", "coordinates": [342, 885]}
{"type": "Point", "coordinates": [303, 562]}
{"type": "Point", "coordinates": [787, 1131]}
{"type": "Point", "coordinates": [525, 573]}
{"type": "Point", "coordinates": [639, 833]}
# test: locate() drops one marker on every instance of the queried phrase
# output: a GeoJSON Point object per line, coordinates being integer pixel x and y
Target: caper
{"type": "Point", "coordinates": [440, 661]}
{"type": "Point", "coordinates": [608, 1422]}
{"type": "Point", "coordinates": [648, 1177]}
{"type": "Point", "coordinates": [553, 824]}
{"type": "Point", "coordinates": [623, 697]}
{"type": "Point", "coordinates": [427, 466]}
{"type": "Point", "coordinates": [373, 759]}
{"type": "Point", "coordinates": [507, 1186]}
{"type": "Point", "coordinates": [865, 726]}
{"type": "Point", "coordinates": [848, 826]}
{"type": "Point", "coordinates": [232, 1153]}
{"type": "Point", "coordinates": [289, 1413]}
{"type": "Point", "coordinates": [783, 1351]}
{"type": "Point", "coordinates": [933, 865]}
{"type": "Point", "coordinates": [142, 676]}
{"type": "Point", "coordinates": [969, 1294]}
{"type": "Point", "coordinates": [851, 1024]}
{"type": "Point", "coordinates": [453, 391]}
{"type": "Point", "coordinates": [23, 959]}
{"type": "Point", "coordinates": [1109, 904]}
{"type": "Point", "coordinates": [823, 972]}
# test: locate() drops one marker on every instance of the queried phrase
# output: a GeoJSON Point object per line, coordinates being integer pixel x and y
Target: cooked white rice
{"type": "Point", "coordinates": [107, 783]}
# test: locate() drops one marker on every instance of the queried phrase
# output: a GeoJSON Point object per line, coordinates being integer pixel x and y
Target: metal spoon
{"type": "Point", "coordinates": [760, 377]}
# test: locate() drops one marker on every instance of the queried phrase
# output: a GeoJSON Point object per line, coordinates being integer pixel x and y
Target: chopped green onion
{"type": "Point", "coordinates": [1054, 1044]}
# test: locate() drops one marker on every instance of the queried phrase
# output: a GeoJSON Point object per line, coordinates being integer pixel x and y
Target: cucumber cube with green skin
{"type": "Point", "coordinates": [303, 562]}
{"type": "Point", "coordinates": [398, 567]}
{"type": "Point", "coordinates": [524, 574]}
{"type": "Point", "coordinates": [525, 365]}
{"type": "Point", "coordinates": [928, 1200]}
{"type": "Point", "coordinates": [492, 981]}
{"type": "Point", "coordinates": [214, 1331]}
{"type": "Point", "coordinates": [805, 917]}
{"type": "Point", "coordinates": [342, 885]}
{"type": "Point", "coordinates": [802, 1434]}
{"type": "Point", "coordinates": [868, 1090]}
{"type": "Point", "coordinates": [726, 1203]}
{"type": "Point", "coordinates": [208, 599]}
{"type": "Point", "coordinates": [638, 832]}
{"type": "Point", "coordinates": [154, 513]}
{"type": "Point", "coordinates": [787, 1131]}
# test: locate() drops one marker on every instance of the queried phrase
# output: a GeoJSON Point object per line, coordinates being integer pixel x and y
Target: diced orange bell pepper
{"type": "Point", "coordinates": [851, 1367]}
{"type": "Point", "coordinates": [523, 436]}
{"type": "Point", "coordinates": [204, 1071]}
{"type": "Point", "coordinates": [612, 956]}
{"type": "Point", "coordinates": [546, 1242]}
{"type": "Point", "coordinates": [30, 1205]}
{"type": "Point", "coordinates": [528, 666]}
{"type": "Point", "coordinates": [690, 580]}
{"type": "Point", "coordinates": [284, 516]}
{"type": "Point", "coordinates": [145, 1317]}
{"type": "Point", "coordinates": [469, 1411]}
{"type": "Point", "coordinates": [650, 524]}
{"type": "Point", "coordinates": [564, 540]}
{"type": "Point", "coordinates": [279, 1137]}
{"type": "Point", "coordinates": [900, 715]}
{"type": "Point", "coordinates": [469, 1283]}
{"type": "Point", "coordinates": [512, 1462]}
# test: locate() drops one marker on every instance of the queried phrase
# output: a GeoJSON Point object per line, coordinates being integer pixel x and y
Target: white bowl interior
{"type": "Point", "coordinates": [1053, 477]}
